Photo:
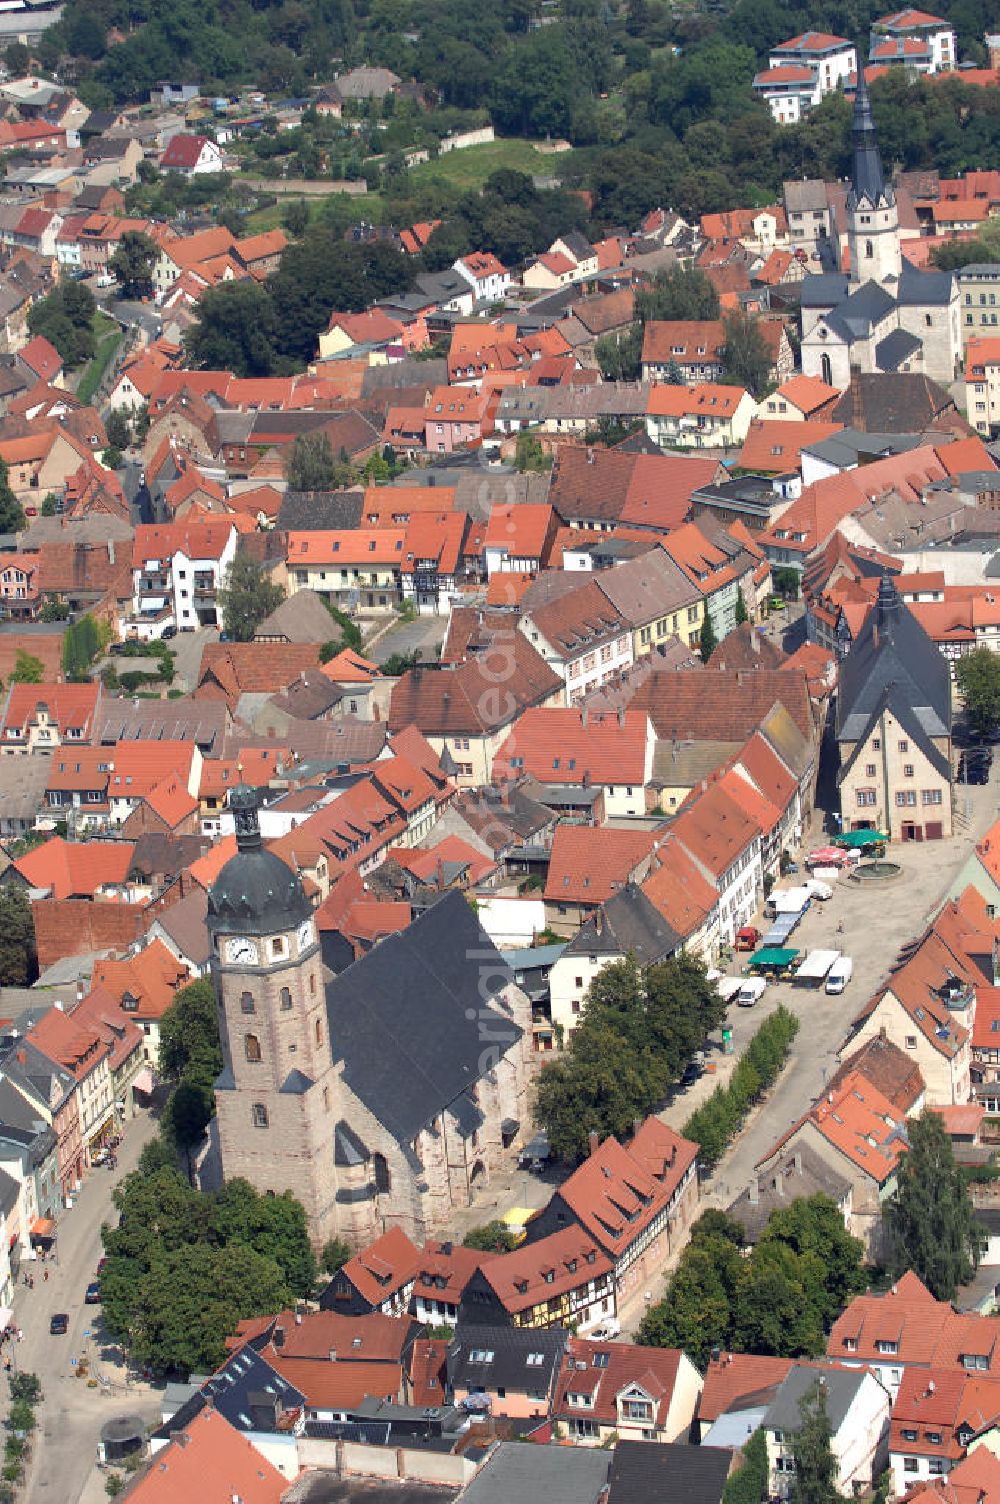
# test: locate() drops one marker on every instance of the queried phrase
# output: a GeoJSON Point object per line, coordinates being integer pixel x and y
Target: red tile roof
{"type": "Point", "coordinates": [151, 978]}
{"type": "Point", "coordinates": [520, 531]}
{"type": "Point", "coordinates": [211, 1462]}
{"type": "Point", "coordinates": [76, 869]}
{"type": "Point", "coordinates": [603, 1370]}
{"type": "Point", "coordinates": [677, 889]}
{"type": "Point", "coordinates": [774, 445]}
{"type": "Point", "coordinates": [731, 1376]}
{"type": "Point", "coordinates": [521, 1279]}
{"type": "Point", "coordinates": [617, 1192]}
{"type": "Point", "coordinates": [183, 151]}
{"type": "Point", "coordinates": [384, 1267]}
{"type": "Point", "coordinates": [589, 863]}
{"type": "Point", "coordinates": [570, 746]}
{"type": "Point", "coordinates": [715, 830]}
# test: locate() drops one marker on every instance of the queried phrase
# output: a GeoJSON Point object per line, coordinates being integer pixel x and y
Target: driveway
{"type": "Point", "coordinates": [71, 1415]}
{"type": "Point", "coordinates": [187, 648]}
{"type": "Point", "coordinates": [424, 635]}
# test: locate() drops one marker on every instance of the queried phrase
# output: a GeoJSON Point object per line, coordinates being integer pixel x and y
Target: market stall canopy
{"type": "Point", "coordinates": [861, 838]}
{"type": "Point", "coordinates": [773, 957]}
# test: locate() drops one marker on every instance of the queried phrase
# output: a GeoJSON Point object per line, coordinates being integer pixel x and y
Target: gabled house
{"type": "Point", "coordinates": [559, 1280]}
{"type": "Point", "coordinates": [635, 1201]}
{"type": "Point", "coordinates": [858, 1410]}
{"type": "Point", "coordinates": [894, 727]}
{"type": "Point", "coordinates": [609, 1392]}
{"type": "Point", "coordinates": [191, 156]}
{"type": "Point", "coordinates": [579, 633]}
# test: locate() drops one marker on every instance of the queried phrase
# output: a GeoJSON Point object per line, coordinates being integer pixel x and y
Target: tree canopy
{"type": "Point", "coordinates": [247, 596]}
{"type": "Point", "coordinates": [18, 957]}
{"type": "Point", "coordinates": [812, 1450]}
{"type": "Point", "coordinates": [802, 1271]}
{"type": "Point", "coordinates": [132, 264]}
{"type": "Point", "coordinates": [183, 1267]}
{"type": "Point", "coordinates": [637, 1032]}
{"type": "Point", "coordinates": [931, 1223]}
{"type": "Point", "coordinates": [311, 465]}
{"type": "Point", "coordinates": [66, 319]}
{"type": "Point", "coordinates": [11, 515]}
{"type": "Point", "coordinates": [977, 675]}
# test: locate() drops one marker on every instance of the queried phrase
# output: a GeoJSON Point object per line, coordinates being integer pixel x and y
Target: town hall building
{"type": "Point", "coordinates": [880, 314]}
{"type": "Point", "coordinates": [380, 1097]}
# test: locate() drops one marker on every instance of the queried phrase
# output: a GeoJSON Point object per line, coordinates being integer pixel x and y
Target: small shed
{"type": "Point", "coordinates": [121, 1436]}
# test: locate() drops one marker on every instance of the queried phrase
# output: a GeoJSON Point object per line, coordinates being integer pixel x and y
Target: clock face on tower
{"type": "Point", "coordinates": [242, 951]}
{"type": "Point", "coordinates": [305, 933]}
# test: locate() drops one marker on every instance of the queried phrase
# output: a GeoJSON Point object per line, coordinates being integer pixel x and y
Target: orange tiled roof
{"type": "Point", "coordinates": [589, 863]}
{"type": "Point", "coordinates": [76, 869]}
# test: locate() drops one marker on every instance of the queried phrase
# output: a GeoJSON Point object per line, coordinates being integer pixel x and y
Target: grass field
{"type": "Point", "coordinates": [108, 335]}
{"type": "Point", "coordinates": [465, 170]}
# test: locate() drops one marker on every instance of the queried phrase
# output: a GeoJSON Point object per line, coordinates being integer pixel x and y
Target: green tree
{"type": "Point", "coordinates": [48, 507]}
{"type": "Point", "coordinates": [334, 1256]}
{"type": "Point", "coordinates": [118, 429]}
{"type": "Point", "coordinates": [82, 642]}
{"type": "Point", "coordinates": [11, 515]}
{"type": "Point", "coordinates": [247, 597]}
{"type": "Point", "coordinates": [27, 668]}
{"type": "Point", "coordinates": [16, 57]}
{"type": "Point", "coordinates": [745, 355]}
{"type": "Point", "coordinates": [597, 1086]}
{"type": "Point", "coordinates": [311, 464]}
{"type": "Point", "coordinates": [295, 217]}
{"type": "Point", "coordinates": [786, 582]}
{"type": "Point", "coordinates": [492, 1237]}
{"type": "Point", "coordinates": [978, 677]}
{"type": "Point", "coordinates": [192, 1299]}
{"type": "Point", "coordinates": [930, 1219]}
{"type": "Point", "coordinates": [813, 1228]}
{"type": "Point", "coordinates": [682, 292]}
{"type": "Point", "coordinates": [132, 264]}
{"type": "Point", "coordinates": [742, 614]}
{"type": "Point", "coordinates": [66, 319]}
{"type": "Point", "coordinates": [189, 1035]}
{"type": "Point", "coordinates": [236, 331]}
{"type": "Point", "coordinates": [18, 957]}
{"type": "Point", "coordinates": [273, 1226]}
{"type": "Point", "coordinates": [188, 1112]}
{"type": "Point", "coordinates": [708, 641]}
{"type": "Point", "coordinates": [749, 1483]}
{"type": "Point", "coordinates": [815, 1465]}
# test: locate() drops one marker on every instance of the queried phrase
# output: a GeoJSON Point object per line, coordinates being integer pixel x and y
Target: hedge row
{"type": "Point", "coordinates": [715, 1124]}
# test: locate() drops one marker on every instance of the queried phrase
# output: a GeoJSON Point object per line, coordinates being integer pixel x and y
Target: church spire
{"type": "Point", "coordinates": [867, 178]}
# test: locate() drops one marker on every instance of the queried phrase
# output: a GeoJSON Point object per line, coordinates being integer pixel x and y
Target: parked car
{"type": "Point", "coordinates": [839, 975]}
{"type": "Point", "coordinates": [59, 1325]}
{"type": "Point", "coordinates": [609, 1328]}
{"type": "Point", "coordinates": [693, 1071]}
{"type": "Point", "coordinates": [93, 1295]}
{"type": "Point", "coordinates": [169, 631]}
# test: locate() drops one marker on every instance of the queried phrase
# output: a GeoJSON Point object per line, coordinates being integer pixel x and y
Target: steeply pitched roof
{"type": "Point", "coordinates": [399, 1018]}
{"type": "Point", "coordinates": [588, 863]}
{"type": "Point", "coordinates": [893, 662]}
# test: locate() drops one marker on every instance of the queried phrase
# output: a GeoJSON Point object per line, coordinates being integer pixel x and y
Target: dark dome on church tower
{"type": "Point", "coordinates": [255, 893]}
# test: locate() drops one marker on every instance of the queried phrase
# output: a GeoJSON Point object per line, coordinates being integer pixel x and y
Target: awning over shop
{"type": "Point", "coordinates": [143, 1081]}
{"type": "Point", "coordinates": [773, 956]}
{"type": "Point", "coordinates": [854, 838]}
{"type": "Point", "coordinates": [43, 1228]}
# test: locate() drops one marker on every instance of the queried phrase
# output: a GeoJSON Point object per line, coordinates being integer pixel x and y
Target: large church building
{"type": "Point", "coordinates": [881, 314]}
{"type": "Point", "coordinates": [380, 1097]}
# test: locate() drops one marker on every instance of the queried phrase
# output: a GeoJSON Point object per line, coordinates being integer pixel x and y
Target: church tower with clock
{"type": "Point", "coordinates": [276, 1094]}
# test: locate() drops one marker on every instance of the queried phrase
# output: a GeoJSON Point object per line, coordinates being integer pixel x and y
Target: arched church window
{"type": "Point", "coordinates": [383, 1176]}
{"type": "Point", "coordinates": [319, 1032]}
{"type": "Point", "coordinates": [246, 1002]}
{"type": "Point", "coordinates": [286, 1000]}
{"type": "Point", "coordinates": [251, 1046]}
{"type": "Point", "coordinates": [826, 370]}
{"type": "Point", "coordinates": [869, 248]}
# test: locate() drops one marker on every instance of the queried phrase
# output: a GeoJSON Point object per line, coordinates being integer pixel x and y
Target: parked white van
{"type": "Point", "coordinates": [751, 992]}
{"type": "Point", "coordinates": [839, 975]}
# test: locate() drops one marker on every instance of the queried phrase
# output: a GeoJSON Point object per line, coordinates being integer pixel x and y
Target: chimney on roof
{"type": "Point", "coordinates": [621, 716]}
{"type": "Point", "coordinates": [857, 406]}
{"type": "Point", "coordinates": [593, 1141]}
{"type": "Point", "coordinates": [583, 716]}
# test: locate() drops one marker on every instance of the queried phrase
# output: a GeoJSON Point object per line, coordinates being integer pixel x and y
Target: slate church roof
{"type": "Point", "coordinates": [417, 1021]}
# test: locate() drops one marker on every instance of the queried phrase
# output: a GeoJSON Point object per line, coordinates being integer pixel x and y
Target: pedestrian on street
{"type": "Point", "coordinates": [45, 1276]}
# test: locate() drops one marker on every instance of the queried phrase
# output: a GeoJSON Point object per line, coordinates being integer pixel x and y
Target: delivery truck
{"type": "Point", "coordinates": [839, 975]}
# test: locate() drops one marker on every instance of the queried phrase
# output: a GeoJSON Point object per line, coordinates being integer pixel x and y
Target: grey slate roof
{"type": "Point", "coordinates": [919, 287]}
{"type": "Point", "coordinates": [892, 404]}
{"type": "Point", "coordinates": [508, 1367]}
{"type": "Point", "coordinates": [895, 665]}
{"type": "Point", "coordinates": [897, 347]}
{"type": "Point", "coordinates": [865, 308]}
{"type": "Point", "coordinates": [649, 1472]}
{"type": "Point", "coordinates": [400, 1017]}
{"type": "Point", "coordinates": [841, 1384]}
{"type": "Point", "coordinates": [800, 1172]}
{"type": "Point", "coordinates": [868, 185]}
{"type": "Point", "coordinates": [557, 1475]}
{"type": "Point", "coordinates": [246, 1389]}
{"type": "Point", "coordinates": [638, 926]}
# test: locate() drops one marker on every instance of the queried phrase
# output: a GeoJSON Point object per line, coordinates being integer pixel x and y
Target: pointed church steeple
{"type": "Point", "coordinates": [868, 183]}
{"type": "Point", "coordinates": [872, 216]}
